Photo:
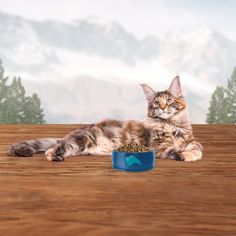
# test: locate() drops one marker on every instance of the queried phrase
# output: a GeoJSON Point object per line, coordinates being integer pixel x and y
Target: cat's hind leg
{"type": "Point", "coordinates": [30, 147]}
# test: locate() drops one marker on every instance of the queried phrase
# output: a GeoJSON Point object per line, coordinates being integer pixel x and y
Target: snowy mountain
{"type": "Point", "coordinates": [204, 53]}
{"type": "Point", "coordinates": [87, 70]}
{"type": "Point", "coordinates": [83, 36]}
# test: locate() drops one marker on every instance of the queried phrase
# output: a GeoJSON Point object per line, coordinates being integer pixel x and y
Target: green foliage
{"type": "Point", "coordinates": [33, 113]}
{"type": "Point", "coordinates": [231, 99]}
{"type": "Point", "coordinates": [15, 106]}
{"type": "Point", "coordinates": [3, 81]}
{"type": "Point", "coordinates": [222, 108]}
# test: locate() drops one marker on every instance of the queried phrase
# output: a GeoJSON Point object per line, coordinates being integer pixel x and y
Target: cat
{"type": "Point", "coordinates": [166, 129]}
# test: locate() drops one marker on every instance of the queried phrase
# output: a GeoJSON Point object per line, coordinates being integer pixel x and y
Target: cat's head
{"type": "Point", "coordinates": [165, 104]}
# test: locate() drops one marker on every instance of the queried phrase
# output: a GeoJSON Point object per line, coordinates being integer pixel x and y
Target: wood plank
{"type": "Point", "coordinates": [85, 196]}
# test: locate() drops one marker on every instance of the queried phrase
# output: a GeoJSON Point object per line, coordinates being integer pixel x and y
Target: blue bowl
{"type": "Point", "coordinates": [133, 161]}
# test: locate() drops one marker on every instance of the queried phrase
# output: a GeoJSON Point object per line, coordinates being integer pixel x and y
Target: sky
{"type": "Point", "coordinates": [196, 39]}
{"type": "Point", "coordinates": [138, 16]}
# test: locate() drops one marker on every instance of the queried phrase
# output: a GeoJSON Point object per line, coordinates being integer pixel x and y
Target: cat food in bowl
{"type": "Point", "coordinates": [133, 157]}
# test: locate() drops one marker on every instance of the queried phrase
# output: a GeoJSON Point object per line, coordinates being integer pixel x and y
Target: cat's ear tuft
{"type": "Point", "coordinates": [149, 92]}
{"type": "Point", "coordinates": [175, 87]}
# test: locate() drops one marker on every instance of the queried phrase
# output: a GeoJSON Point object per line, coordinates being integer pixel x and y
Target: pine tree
{"type": "Point", "coordinates": [15, 106]}
{"type": "Point", "coordinates": [217, 105]}
{"type": "Point", "coordinates": [3, 89]}
{"type": "Point", "coordinates": [231, 99]}
{"type": "Point", "coordinates": [3, 81]}
{"type": "Point", "coordinates": [222, 108]}
{"type": "Point", "coordinates": [33, 113]}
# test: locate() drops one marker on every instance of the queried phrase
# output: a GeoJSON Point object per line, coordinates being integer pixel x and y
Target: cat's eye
{"type": "Point", "coordinates": [169, 100]}
{"type": "Point", "coordinates": [156, 103]}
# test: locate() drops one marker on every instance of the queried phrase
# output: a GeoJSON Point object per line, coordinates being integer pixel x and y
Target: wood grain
{"type": "Point", "coordinates": [84, 196]}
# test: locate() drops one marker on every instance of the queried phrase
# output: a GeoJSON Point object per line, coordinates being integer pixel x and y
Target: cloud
{"type": "Point", "coordinates": [142, 17]}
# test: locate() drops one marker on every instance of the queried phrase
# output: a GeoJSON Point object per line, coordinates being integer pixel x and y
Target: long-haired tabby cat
{"type": "Point", "coordinates": [166, 128]}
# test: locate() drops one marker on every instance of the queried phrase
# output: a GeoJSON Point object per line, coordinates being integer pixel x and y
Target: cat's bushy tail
{"type": "Point", "coordinates": [30, 147]}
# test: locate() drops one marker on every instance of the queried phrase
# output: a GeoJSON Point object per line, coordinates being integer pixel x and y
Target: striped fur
{"type": "Point", "coordinates": [166, 128]}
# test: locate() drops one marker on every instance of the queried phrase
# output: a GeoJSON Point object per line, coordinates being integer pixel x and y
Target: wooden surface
{"type": "Point", "coordinates": [84, 196]}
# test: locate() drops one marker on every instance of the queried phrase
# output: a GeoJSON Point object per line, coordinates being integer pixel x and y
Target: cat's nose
{"type": "Point", "coordinates": [162, 107]}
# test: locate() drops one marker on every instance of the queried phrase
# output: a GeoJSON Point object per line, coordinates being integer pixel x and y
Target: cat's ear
{"type": "Point", "coordinates": [149, 92]}
{"type": "Point", "coordinates": [175, 87]}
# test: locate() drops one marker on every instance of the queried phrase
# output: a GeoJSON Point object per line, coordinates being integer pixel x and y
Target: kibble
{"type": "Point", "coordinates": [133, 147]}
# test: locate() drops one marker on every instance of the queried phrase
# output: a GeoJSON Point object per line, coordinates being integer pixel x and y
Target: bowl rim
{"type": "Point", "coordinates": [151, 151]}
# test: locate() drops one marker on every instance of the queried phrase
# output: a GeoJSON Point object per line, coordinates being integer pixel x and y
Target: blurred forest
{"type": "Point", "coordinates": [15, 106]}
{"type": "Point", "coordinates": [222, 108]}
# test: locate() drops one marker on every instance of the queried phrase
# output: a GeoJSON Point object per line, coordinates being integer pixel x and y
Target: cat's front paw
{"type": "Point", "coordinates": [56, 153]}
{"type": "Point", "coordinates": [193, 155]}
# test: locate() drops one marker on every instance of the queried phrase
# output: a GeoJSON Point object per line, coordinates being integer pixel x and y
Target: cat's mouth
{"type": "Point", "coordinates": [163, 115]}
